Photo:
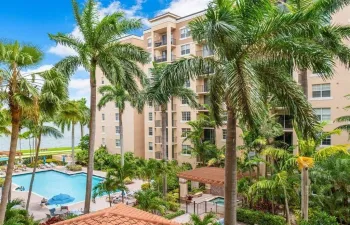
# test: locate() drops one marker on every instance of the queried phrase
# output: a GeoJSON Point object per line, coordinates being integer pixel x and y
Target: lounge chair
{"type": "Point", "coordinates": [47, 165]}
{"type": "Point", "coordinates": [24, 168]}
{"type": "Point", "coordinates": [52, 164]}
{"type": "Point", "coordinates": [41, 166]}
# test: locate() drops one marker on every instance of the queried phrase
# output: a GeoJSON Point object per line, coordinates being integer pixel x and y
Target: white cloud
{"type": "Point", "coordinates": [79, 88]}
{"type": "Point", "coordinates": [185, 7]}
{"type": "Point", "coordinates": [132, 12]}
{"type": "Point", "coordinates": [39, 69]}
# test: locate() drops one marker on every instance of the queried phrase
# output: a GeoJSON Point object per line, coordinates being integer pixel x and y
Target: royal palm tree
{"type": "Point", "coordinates": [158, 96]}
{"type": "Point", "coordinates": [118, 95]}
{"type": "Point", "coordinates": [38, 128]}
{"type": "Point", "coordinates": [70, 114]}
{"type": "Point", "coordinates": [99, 47]}
{"type": "Point", "coordinates": [20, 91]}
{"type": "Point", "coordinates": [85, 116]}
{"type": "Point", "coordinates": [254, 43]}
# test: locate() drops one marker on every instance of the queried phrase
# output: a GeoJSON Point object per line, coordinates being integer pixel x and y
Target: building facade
{"type": "Point", "coordinates": [169, 38]}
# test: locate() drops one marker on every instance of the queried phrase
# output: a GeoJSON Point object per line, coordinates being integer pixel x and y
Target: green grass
{"type": "Point", "coordinates": [50, 151]}
{"type": "Point", "coordinates": [24, 151]}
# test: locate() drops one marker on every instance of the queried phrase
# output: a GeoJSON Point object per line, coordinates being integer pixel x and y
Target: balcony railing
{"type": "Point", "coordinates": [174, 123]}
{"type": "Point", "coordinates": [159, 155]}
{"type": "Point", "coordinates": [205, 53]}
{"type": "Point", "coordinates": [202, 88]}
{"type": "Point", "coordinates": [208, 70]}
{"type": "Point", "coordinates": [163, 42]}
{"type": "Point", "coordinates": [164, 58]}
{"type": "Point", "coordinates": [158, 140]}
{"type": "Point", "coordinates": [203, 107]}
{"type": "Point", "coordinates": [158, 123]}
{"type": "Point", "coordinates": [174, 139]}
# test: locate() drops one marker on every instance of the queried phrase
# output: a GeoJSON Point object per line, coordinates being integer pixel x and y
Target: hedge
{"type": "Point", "coordinates": [252, 217]}
{"type": "Point", "coordinates": [319, 218]}
{"type": "Point", "coordinates": [74, 167]}
{"type": "Point", "coordinates": [175, 214]}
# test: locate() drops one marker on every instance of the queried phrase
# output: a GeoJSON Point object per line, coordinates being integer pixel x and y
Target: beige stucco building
{"type": "Point", "coordinates": [168, 39]}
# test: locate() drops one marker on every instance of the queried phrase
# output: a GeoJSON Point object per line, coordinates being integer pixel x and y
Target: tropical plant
{"type": "Point", "coordinates": [85, 117]}
{"type": "Point", "coordinates": [5, 121]}
{"type": "Point", "coordinates": [18, 216]}
{"type": "Point", "coordinates": [151, 201]}
{"type": "Point", "coordinates": [20, 91]}
{"type": "Point", "coordinates": [105, 187]}
{"type": "Point", "coordinates": [99, 47]}
{"type": "Point", "coordinates": [38, 128]}
{"type": "Point", "coordinates": [208, 219]}
{"type": "Point", "coordinates": [344, 119]}
{"type": "Point", "coordinates": [160, 97]}
{"type": "Point", "coordinates": [71, 113]}
{"type": "Point", "coordinates": [118, 95]}
{"type": "Point", "coordinates": [256, 46]}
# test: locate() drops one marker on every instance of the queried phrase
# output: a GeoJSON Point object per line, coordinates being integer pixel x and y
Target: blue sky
{"type": "Point", "coordinates": [30, 21]}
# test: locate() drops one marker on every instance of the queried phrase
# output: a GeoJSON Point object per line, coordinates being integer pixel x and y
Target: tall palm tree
{"type": "Point", "coordinates": [85, 116]}
{"type": "Point", "coordinates": [346, 119]}
{"type": "Point", "coordinates": [70, 114]}
{"type": "Point", "coordinates": [38, 129]}
{"type": "Point", "coordinates": [118, 95]}
{"type": "Point", "coordinates": [105, 187]}
{"type": "Point", "coordinates": [99, 47]}
{"type": "Point", "coordinates": [161, 97]}
{"type": "Point", "coordinates": [254, 43]}
{"type": "Point", "coordinates": [20, 91]}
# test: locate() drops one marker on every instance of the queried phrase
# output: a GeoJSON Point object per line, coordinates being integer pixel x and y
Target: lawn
{"type": "Point", "coordinates": [50, 151]}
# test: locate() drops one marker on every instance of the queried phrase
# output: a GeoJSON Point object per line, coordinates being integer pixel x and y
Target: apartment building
{"type": "Point", "coordinates": [169, 38]}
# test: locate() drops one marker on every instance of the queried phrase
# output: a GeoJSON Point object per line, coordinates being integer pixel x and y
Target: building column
{"type": "Point", "coordinates": [194, 185]}
{"type": "Point", "coordinates": [168, 45]}
{"type": "Point", "coordinates": [207, 188]}
{"type": "Point", "coordinates": [183, 188]}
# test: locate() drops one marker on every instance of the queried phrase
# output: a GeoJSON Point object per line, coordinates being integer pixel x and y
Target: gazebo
{"type": "Point", "coordinates": [212, 177]}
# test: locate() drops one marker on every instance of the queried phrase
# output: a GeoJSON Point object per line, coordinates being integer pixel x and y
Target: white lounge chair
{"type": "Point", "coordinates": [53, 164]}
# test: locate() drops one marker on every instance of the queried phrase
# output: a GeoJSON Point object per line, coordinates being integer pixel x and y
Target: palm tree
{"type": "Point", "coordinates": [344, 119]}
{"type": "Point", "coordinates": [99, 47]}
{"type": "Point", "coordinates": [208, 219]}
{"type": "Point", "coordinates": [254, 43]}
{"type": "Point", "coordinates": [151, 201]}
{"type": "Point", "coordinates": [105, 187]}
{"type": "Point", "coordinates": [38, 129]}
{"type": "Point", "coordinates": [161, 97]}
{"type": "Point", "coordinates": [85, 116]}
{"type": "Point", "coordinates": [71, 113]}
{"type": "Point", "coordinates": [21, 92]}
{"type": "Point", "coordinates": [118, 95]}
{"type": "Point", "coordinates": [147, 169]}
{"type": "Point", "coordinates": [18, 216]}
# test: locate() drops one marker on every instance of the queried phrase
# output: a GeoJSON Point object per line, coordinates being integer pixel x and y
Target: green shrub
{"type": "Point", "coordinates": [82, 157]}
{"type": "Point", "coordinates": [2, 181]}
{"type": "Point", "coordinates": [175, 214]}
{"type": "Point", "coordinates": [145, 186]}
{"type": "Point", "coordinates": [74, 167]}
{"type": "Point", "coordinates": [84, 143]}
{"type": "Point", "coordinates": [252, 217]}
{"type": "Point", "coordinates": [319, 218]}
{"type": "Point", "coordinates": [128, 180]}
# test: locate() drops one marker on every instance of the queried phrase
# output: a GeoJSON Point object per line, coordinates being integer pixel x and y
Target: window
{"type": "Point", "coordinates": [186, 116]}
{"type": "Point", "coordinates": [150, 104]}
{"type": "Point", "coordinates": [116, 105]}
{"type": "Point", "coordinates": [103, 141]}
{"type": "Point", "coordinates": [184, 101]}
{"type": "Point", "coordinates": [150, 116]}
{"type": "Point", "coordinates": [187, 83]}
{"type": "Point", "coordinates": [323, 114]}
{"type": "Point", "coordinates": [185, 49]}
{"type": "Point", "coordinates": [103, 129]}
{"type": "Point", "coordinates": [185, 131]}
{"type": "Point", "coordinates": [117, 116]}
{"type": "Point", "coordinates": [224, 134]}
{"type": "Point", "coordinates": [103, 116]}
{"type": "Point", "coordinates": [185, 32]}
{"type": "Point", "coordinates": [102, 80]}
{"type": "Point", "coordinates": [150, 131]}
{"type": "Point", "coordinates": [149, 42]}
{"type": "Point", "coordinates": [327, 141]}
{"type": "Point", "coordinates": [321, 90]}
{"type": "Point", "coordinates": [186, 150]}
{"type": "Point", "coordinates": [117, 129]}
{"type": "Point", "coordinates": [150, 146]}
{"type": "Point", "coordinates": [117, 143]}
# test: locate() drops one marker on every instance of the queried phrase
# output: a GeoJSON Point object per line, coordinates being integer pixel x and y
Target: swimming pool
{"type": "Point", "coordinates": [219, 201]}
{"type": "Point", "coordinates": [51, 183]}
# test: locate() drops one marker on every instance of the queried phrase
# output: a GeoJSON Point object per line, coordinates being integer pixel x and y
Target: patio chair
{"type": "Point", "coordinates": [41, 166]}
{"type": "Point", "coordinates": [24, 168]}
{"type": "Point", "coordinates": [52, 164]}
{"type": "Point", "coordinates": [47, 165]}
{"type": "Point", "coordinates": [52, 212]}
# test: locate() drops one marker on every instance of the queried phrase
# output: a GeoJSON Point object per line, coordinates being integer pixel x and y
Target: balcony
{"type": "Point", "coordinates": [158, 123]}
{"type": "Point", "coordinates": [174, 123]}
{"type": "Point", "coordinates": [174, 140]}
{"type": "Point", "coordinates": [159, 155]}
{"type": "Point", "coordinates": [205, 53]}
{"type": "Point", "coordinates": [203, 107]}
{"type": "Point", "coordinates": [286, 121]}
{"type": "Point", "coordinates": [158, 139]}
{"type": "Point", "coordinates": [202, 88]}
{"type": "Point", "coordinates": [161, 43]}
{"type": "Point", "coordinates": [208, 70]}
{"type": "Point", "coordinates": [160, 59]}
{"type": "Point", "coordinates": [173, 107]}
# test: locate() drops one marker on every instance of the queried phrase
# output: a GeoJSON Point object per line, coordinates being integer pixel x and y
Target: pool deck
{"type": "Point", "coordinates": [40, 212]}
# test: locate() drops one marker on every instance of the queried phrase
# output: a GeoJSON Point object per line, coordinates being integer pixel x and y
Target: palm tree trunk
{"type": "Point", "coordinates": [231, 169]}
{"type": "Point", "coordinates": [73, 154]}
{"type": "Point", "coordinates": [34, 170]}
{"type": "Point", "coordinates": [302, 79]}
{"type": "Point", "coordinates": [305, 194]}
{"type": "Point", "coordinates": [165, 158]}
{"type": "Point", "coordinates": [82, 130]}
{"type": "Point", "coordinates": [121, 136]}
{"type": "Point", "coordinates": [15, 115]}
{"type": "Point", "coordinates": [110, 200]}
{"type": "Point", "coordinates": [286, 205]}
{"type": "Point", "coordinates": [90, 168]}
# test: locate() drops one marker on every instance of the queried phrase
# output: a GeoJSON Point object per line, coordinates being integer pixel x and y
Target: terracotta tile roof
{"type": "Point", "coordinates": [207, 175]}
{"type": "Point", "coordinates": [119, 214]}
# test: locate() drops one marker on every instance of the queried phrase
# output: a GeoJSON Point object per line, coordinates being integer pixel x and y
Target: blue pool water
{"type": "Point", "coordinates": [51, 183]}
{"type": "Point", "coordinates": [219, 201]}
